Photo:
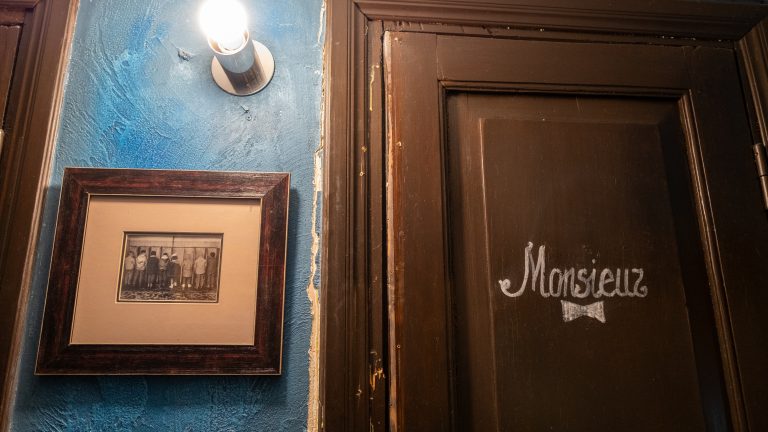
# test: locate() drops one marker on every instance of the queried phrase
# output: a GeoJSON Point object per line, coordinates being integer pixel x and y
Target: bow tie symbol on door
{"type": "Point", "coordinates": [571, 311]}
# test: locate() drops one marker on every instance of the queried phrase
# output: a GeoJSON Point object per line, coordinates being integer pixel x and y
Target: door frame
{"type": "Point", "coordinates": [354, 386]}
{"type": "Point", "coordinates": [31, 123]}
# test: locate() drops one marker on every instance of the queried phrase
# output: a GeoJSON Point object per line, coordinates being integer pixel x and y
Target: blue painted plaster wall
{"type": "Point", "coordinates": [139, 94]}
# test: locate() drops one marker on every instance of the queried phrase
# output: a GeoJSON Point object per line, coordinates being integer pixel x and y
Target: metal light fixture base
{"type": "Point", "coordinates": [250, 81]}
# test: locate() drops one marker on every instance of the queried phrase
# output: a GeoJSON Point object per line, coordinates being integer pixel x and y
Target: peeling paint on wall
{"type": "Point", "coordinates": [313, 288]}
{"type": "Point", "coordinates": [314, 299]}
{"type": "Point", "coordinates": [139, 94]}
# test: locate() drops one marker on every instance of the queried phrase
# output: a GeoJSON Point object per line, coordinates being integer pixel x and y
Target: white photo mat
{"type": "Point", "coordinates": [98, 317]}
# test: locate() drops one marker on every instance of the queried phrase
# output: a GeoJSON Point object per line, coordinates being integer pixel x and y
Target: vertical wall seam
{"type": "Point", "coordinates": [313, 285]}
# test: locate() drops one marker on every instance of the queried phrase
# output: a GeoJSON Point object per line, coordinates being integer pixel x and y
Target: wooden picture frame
{"type": "Point", "coordinates": [87, 330]}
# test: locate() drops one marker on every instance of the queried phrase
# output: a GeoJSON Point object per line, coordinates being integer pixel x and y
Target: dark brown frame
{"type": "Point", "coordinates": [354, 377]}
{"type": "Point", "coordinates": [57, 356]}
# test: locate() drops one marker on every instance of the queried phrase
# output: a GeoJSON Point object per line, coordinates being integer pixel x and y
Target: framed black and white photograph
{"type": "Point", "coordinates": [170, 267]}
{"type": "Point", "coordinates": [166, 272]}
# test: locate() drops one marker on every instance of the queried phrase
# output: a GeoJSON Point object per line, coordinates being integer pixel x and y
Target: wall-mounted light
{"type": "Point", "coordinates": [240, 66]}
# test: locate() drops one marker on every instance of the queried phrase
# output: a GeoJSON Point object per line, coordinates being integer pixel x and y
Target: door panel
{"type": "Point", "coordinates": [560, 63]}
{"type": "Point", "coordinates": [9, 41]}
{"type": "Point", "coordinates": [553, 218]}
{"type": "Point", "coordinates": [593, 181]}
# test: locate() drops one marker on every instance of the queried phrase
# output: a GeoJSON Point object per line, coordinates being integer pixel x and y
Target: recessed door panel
{"type": "Point", "coordinates": [576, 283]}
{"type": "Point", "coordinates": [9, 40]}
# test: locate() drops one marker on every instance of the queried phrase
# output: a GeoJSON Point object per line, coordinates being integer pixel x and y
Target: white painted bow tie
{"type": "Point", "coordinates": [571, 311]}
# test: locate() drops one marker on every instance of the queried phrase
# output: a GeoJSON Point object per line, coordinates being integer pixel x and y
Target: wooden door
{"type": "Point", "coordinates": [576, 236]}
{"type": "Point", "coordinates": [9, 42]}
{"type": "Point", "coordinates": [34, 39]}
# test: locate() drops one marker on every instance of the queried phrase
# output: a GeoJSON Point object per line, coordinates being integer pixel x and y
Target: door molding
{"type": "Point", "coordinates": [753, 54]}
{"type": "Point", "coordinates": [679, 19]}
{"type": "Point", "coordinates": [31, 123]}
{"type": "Point", "coordinates": [354, 387]}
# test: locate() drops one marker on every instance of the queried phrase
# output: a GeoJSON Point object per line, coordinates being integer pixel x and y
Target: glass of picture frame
{"type": "Point", "coordinates": [166, 272]}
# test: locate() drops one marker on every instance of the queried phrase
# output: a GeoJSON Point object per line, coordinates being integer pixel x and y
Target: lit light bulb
{"type": "Point", "coordinates": [224, 22]}
{"type": "Point", "coordinates": [240, 66]}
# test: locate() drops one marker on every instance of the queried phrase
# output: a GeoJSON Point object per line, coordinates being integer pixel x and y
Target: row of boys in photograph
{"type": "Point", "coordinates": [153, 273]}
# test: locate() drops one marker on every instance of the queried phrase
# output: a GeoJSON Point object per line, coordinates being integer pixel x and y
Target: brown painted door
{"type": "Point", "coordinates": [577, 238]}
{"type": "Point", "coordinates": [9, 40]}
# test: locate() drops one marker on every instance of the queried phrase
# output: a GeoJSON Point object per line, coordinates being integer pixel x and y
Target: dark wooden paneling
{"type": "Point", "coordinates": [9, 42]}
{"type": "Point", "coordinates": [20, 4]}
{"type": "Point", "coordinates": [30, 122]}
{"type": "Point", "coordinates": [561, 35]}
{"type": "Point", "coordinates": [375, 176]}
{"type": "Point", "coordinates": [740, 227]}
{"type": "Point", "coordinates": [477, 409]}
{"type": "Point", "coordinates": [11, 16]}
{"type": "Point", "coordinates": [417, 209]}
{"type": "Point", "coordinates": [527, 65]}
{"type": "Point", "coordinates": [419, 305]}
{"type": "Point", "coordinates": [349, 115]}
{"type": "Point", "coordinates": [353, 352]}
{"type": "Point", "coordinates": [699, 20]}
{"type": "Point", "coordinates": [754, 57]}
{"type": "Point", "coordinates": [589, 178]}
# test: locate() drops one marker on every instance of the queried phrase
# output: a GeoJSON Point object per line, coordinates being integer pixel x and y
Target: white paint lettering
{"type": "Point", "coordinates": [562, 282]}
{"type": "Point", "coordinates": [559, 274]}
{"type": "Point", "coordinates": [606, 277]}
{"type": "Point", "coordinates": [640, 291]}
{"type": "Point", "coordinates": [581, 275]}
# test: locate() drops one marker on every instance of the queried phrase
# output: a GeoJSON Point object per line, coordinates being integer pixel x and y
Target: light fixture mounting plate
{"type": "Point", "coordinates": [264, 61]}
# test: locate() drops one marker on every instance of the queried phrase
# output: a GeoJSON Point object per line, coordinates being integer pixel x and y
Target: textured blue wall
{"type": "Point", "coordinates": [139, 95]}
